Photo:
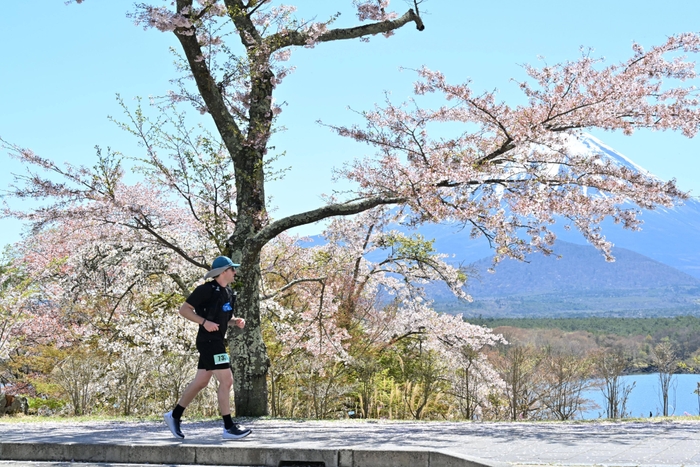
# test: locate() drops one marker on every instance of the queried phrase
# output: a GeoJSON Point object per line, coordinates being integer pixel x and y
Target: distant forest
{"type": "Point", "coordinates": [637, 336]}
{"type": "Point", "coordinates": [663, 327]}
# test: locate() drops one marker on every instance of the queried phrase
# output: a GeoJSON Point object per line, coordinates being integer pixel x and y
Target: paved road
{"type": "Point", "coordinates": [85, 464]}
{"type": "Point", "coordinates": [653, 443]}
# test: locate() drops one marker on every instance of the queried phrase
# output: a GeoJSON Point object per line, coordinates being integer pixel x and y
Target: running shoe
{"type": "Point", "coordinates": [173, 424]}
{"type": "Point", "coordinates": [236, 432]}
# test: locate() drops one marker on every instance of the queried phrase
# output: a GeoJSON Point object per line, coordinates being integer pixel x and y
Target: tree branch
{"type": "Point", "coordinates": [344, 209]}
{"type": "Point", "coordinates": [225, 123]}
{"type": "Point", "coordinates": [180, 283]}
{"type": "Point", "coordinates": [290, 285]}
{"type": "Point", "coordinates": [279, 41]}
{"type": "Point", "coordinates": [240, 15]}
{"type": "Point", "coordinates": [145, 225]}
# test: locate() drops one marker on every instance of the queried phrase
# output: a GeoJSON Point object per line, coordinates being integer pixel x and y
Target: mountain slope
{"type": "Point", "coordinates": [578, 269]}
{"type": "Point", "coordinates": [668, 235]}
{"type": "Point", "coordinates": [577, 282]}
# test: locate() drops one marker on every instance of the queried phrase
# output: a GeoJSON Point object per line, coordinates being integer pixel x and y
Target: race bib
{"type": "Point", "coordinates": [221, 358]}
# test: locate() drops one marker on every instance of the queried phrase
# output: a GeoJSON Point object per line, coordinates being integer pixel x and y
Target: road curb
{"type": "Point", "coordinates": [184, 454]}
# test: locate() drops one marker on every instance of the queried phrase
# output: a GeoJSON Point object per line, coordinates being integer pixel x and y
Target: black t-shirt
{"type": "Point", "coordinates": [215, 303]}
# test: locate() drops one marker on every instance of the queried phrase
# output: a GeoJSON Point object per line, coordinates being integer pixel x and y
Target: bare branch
{"type": "Point", "coordinates": [279, 41]}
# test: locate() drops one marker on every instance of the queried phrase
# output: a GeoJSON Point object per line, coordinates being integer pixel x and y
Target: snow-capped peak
{"type": "Point", "coordinates": [589, 143]}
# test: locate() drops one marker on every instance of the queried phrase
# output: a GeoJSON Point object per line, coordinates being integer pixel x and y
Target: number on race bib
{"type": "Point", "coordinates": [221, 358]}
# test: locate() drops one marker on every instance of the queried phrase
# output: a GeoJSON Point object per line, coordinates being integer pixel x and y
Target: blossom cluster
{"type": "Point", "coordinates": [374, 10]}
{"type": "Point", "coordinates": [522, 169]}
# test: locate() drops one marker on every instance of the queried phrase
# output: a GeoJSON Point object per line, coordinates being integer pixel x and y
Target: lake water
{"type": "Point", "coordinates": [645, 397]}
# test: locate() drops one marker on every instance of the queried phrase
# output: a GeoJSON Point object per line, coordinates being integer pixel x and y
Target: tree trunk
{"type": "Point", "coordinates": [249, 359]}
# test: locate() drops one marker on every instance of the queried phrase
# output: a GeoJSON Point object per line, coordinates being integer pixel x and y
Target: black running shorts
{"type": "Point", "coordinates": [212, 355]}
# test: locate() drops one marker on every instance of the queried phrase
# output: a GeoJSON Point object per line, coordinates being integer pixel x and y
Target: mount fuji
{"type": "Point", "coordinates": [656, 272]}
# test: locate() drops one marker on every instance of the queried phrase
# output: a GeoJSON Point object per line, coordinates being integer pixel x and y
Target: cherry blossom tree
{"type": "Point", "coordinates": [239, 99]}
{"type": "Point", "coordinates": [332, 311]}
{"type": "Point", "coordinates": [14, 288]}
{"type": "Point", "coordinates": [106, 274]}
{"type": "Point", "coordinates": [508, 175]}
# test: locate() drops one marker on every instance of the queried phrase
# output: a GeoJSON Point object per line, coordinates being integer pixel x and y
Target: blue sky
{"type": "Point", "coordinates": [64, 65]}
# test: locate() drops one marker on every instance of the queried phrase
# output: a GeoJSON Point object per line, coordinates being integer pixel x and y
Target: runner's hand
{"type": "Point", "coordinates": [240, 322]}
{"type": "Point", "coordinates": [210, 326]}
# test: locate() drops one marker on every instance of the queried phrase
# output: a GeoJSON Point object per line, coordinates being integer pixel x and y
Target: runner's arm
{"type": "Point", "coordinates": [187, 311]}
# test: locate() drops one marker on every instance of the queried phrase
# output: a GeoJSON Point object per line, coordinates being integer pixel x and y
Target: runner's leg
{"type": "Point", "coordinates": [200, 381]}
{"type": "Point", "coordinates": [225, 378]}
